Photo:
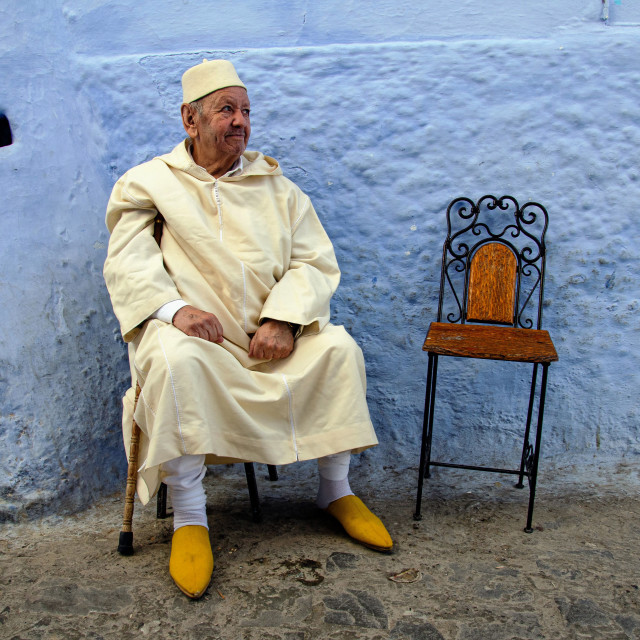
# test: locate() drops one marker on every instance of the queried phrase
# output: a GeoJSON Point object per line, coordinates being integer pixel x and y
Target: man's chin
{"type": "Point", "coordinates": [238, 144]}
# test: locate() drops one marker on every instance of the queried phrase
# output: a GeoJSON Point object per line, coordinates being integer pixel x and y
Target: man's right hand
{"type": "Point", "coordinates": [198, 323]}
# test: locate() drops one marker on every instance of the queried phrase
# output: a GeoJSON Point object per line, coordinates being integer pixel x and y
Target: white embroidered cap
{"type": "Point", "coordinates": [207, 77]}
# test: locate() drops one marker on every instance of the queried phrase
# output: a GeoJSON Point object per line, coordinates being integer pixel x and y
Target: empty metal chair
{"type": "Point", "coordinates": [490, 307]}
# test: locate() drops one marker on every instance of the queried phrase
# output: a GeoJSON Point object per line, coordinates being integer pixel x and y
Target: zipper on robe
{"type": "Point", "coordinates": [218, 201]}
{"type": "Point", "coordinates": [216, 197]}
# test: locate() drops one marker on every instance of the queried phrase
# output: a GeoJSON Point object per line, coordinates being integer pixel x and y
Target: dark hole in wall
{"type": "Point", "coordinates": [5, 131]}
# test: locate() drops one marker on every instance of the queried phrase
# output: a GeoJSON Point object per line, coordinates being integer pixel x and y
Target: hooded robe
{"type": "Point", "coordinates": [245, 246]}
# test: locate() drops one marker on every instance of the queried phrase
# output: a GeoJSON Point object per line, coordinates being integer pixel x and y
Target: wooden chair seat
{"type": "Point", "coordinates": [490, 343]}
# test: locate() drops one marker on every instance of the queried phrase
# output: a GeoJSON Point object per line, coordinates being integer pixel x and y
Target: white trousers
{"type": "Point", "coordinates": [183, 476]}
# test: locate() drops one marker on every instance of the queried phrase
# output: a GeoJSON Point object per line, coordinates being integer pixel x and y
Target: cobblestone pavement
{"type": "Point", "coordinates": [467, 571]}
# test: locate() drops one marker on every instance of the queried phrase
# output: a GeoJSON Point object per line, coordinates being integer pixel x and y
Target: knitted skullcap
{"type": "Point", "coordinates": [207, 77]}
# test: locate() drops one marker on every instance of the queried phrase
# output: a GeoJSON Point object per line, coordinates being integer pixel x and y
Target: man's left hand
{"type": "Point", "coordinates": [273, 339]}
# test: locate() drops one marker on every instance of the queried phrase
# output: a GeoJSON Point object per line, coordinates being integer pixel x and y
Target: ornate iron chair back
{"type": "Point", "coordinates": [493, 263]}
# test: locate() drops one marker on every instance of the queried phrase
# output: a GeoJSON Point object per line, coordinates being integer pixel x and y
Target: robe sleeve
{"type": "Point", "coordinates": [303, 294]}
{"type": "Point", "coordinates": [134, 271]}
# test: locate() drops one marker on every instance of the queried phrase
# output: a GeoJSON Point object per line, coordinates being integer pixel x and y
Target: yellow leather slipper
{"type": "Point", "coordinates": [191, 562]}
{"type": "Point", "coordinates": [360, 523]}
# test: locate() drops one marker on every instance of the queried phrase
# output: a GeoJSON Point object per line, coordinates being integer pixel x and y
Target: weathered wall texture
{"type": "Point", "coordinates": [383, 112]}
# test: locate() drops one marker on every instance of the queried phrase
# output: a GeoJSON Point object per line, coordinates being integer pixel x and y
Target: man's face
{"type": "Point", "coordinates": [224, 127]}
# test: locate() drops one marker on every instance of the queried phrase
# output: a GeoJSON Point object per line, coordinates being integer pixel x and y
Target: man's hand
{"type": "Point", "coordinates": [273, 339]}
{"type": "Point", "coordinates": [198, 323]}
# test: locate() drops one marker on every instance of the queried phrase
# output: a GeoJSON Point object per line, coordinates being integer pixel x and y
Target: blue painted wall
{"type": "Point", "coordinates": [383, 112]}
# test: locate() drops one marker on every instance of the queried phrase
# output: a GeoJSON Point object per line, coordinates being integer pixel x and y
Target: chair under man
{"type": "Point", "coordinates": [490, 307]}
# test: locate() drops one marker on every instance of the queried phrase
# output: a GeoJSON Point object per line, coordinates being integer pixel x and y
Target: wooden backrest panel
{"type": "Point", "coordinates": [492, 284]}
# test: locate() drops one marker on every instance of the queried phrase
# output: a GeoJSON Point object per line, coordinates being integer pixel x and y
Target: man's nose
{"type": "Point", "coordinates": [238, 118]}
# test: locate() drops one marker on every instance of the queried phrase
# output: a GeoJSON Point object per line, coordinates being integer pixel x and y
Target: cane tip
{"type": "Point", "coordinates": [125, 544]}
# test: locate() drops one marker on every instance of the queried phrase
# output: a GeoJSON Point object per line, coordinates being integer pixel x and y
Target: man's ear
{"type": "Point", "coordinates": [189, 120]}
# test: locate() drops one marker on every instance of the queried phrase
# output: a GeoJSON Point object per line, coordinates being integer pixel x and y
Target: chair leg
{"type": "Point", "coordinates": [273, 472]}
{"type": "Point", "coordinates": [427, 426]}
{"type": "Point", "coordinates": [434, 379]}
{"type": "Point", "coordinates": [161, 503]}
{"type": "Point", "coordinates": [526, 447]}
{"type": "Point", "coordinates": [125, 543]}
{"type": "Point", "coordinates": [536, 452]}
{"type": "Point", "coordinates": [256, 512]}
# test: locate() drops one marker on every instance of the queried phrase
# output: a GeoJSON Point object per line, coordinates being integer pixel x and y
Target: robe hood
{"type": "Point", "coordinates": [254, 163]}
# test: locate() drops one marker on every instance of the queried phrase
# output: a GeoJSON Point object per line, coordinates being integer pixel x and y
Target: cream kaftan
{"type": "Point", "coordinates": [244, 246]}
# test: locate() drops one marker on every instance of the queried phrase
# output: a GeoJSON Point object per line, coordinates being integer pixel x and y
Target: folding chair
{"type": "Point", "coordinates": [125, 545]}
{"type": "Point", "coordinates": [491, 293]}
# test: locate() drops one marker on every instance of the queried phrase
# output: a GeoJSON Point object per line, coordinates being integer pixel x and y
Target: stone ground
{"type": "Point", "coordinates": [467, 571]}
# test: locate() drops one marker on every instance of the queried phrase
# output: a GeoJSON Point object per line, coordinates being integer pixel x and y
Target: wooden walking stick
{"type": "Point", "coordinates": [125, 544]}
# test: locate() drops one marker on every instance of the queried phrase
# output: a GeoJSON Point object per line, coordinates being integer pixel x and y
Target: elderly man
{"type": "Point", "coordinates": [227, 323]}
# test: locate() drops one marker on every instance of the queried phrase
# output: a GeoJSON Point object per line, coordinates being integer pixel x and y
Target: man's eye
{"type": "Point", "coordinates": [246, 112]}
{"type": "Point", "coordinates": [226, 109]}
